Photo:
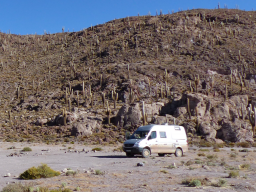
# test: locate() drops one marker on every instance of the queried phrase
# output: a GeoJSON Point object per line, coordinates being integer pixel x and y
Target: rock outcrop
{"type": "Point", "coordinates": [82, 123]}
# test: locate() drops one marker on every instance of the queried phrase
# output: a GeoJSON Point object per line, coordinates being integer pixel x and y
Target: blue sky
{"type": "Point", "coordinates": [36, 16]}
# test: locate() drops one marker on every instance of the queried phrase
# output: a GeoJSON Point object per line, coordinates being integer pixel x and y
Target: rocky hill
{"type": "Point", "coordinates": [195, 68]}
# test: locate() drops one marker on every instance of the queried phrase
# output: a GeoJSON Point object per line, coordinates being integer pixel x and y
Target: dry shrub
{"type": "Point", "coordinates": [42, 171]}
{"type": "Point", "coordinates": [243, 144]}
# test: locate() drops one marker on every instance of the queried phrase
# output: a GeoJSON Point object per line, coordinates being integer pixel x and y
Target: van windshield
{"type": "Point", "coordinates": [139, 135]}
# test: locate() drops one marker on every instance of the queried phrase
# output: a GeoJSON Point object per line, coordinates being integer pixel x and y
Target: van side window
{"type": "Point", "coordinates": [153, 135]}
{"type": "Point", "coordinates": [162, 134]}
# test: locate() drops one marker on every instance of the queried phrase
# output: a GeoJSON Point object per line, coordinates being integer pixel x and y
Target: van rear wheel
{"type": "Point", "coordinates": [178, 152]}
{"type": "Point", "coordinates": [145, 153]}
{"type": "Point", "coordinates": [161, 154]}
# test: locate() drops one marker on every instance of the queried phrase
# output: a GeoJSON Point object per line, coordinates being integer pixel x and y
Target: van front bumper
{"type": "Point", "coordinates": [133, 150]}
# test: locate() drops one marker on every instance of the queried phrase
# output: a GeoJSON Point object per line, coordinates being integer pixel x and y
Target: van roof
{"type": "Point", "coordinates": [146, 127]}
{"type": "Point", "coordinates": [149, 127]}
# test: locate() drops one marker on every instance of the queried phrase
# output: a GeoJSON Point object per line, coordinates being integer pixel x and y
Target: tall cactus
{"type": "Point", "coordinates": [108, 112]}
{"type": "Point", "coordinates": [252, 117]}
{"type": "Point", "coordinates": [103, 99]}
{"type": "Point", "coordinates": [114, 97]}
{"type": "Point", "coordinates": [144, 113]}
{"type": "Point", "coordinates": [188, 108]}
{"type": "Point", "coordinates": [197, 81]}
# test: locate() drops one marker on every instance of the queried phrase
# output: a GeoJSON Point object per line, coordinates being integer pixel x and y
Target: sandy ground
{"type": "Point", "coordinates": [122, 174]}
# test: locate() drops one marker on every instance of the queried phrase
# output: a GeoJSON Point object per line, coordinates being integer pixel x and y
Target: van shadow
{"type": "Point", "coordinates": [116, 157]}
{"type": "Point", "coordinates": [111, 156]}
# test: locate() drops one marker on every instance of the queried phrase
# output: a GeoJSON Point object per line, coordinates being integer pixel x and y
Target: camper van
{"type": "Point", "coordinates": [160, 139]}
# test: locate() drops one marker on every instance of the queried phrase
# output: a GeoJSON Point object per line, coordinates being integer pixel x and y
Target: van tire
{"type": "Point", "coordinates": [178, 152]}
{"type": "Point", "coordinates": [145, 153]}
{"type": "Point", "coordinates": [129, 155]}
{"type": "Point", "coordinates": [161, 154]}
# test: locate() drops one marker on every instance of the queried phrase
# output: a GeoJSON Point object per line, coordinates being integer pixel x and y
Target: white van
{"type": "Point", "coordinates": [161, 139]}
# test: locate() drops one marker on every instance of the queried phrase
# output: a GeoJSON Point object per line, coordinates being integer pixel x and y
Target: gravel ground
{"type": "Point", "coordinates": [120, 173]}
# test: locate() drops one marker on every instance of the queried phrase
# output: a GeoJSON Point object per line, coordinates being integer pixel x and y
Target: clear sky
{"type": "Point", "coordinates": [39, 16]}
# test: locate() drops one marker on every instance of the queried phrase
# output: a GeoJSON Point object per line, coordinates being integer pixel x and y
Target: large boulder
{"type": "Point", "coordinates": [197, 101]}
{"type": "Point", "coordinates": [87, 126]}
{"type": "Point", "coordinates": [207, 130]}
{"type": "Point", "coordinates": [237, 131]}
{"type": "Point", "coordinates": [221, 111]}
{"type": "Point", "coordinates": [82, 123]}
{"type": "Point", "coordinates": [129, 114]}
{"type": "Point", "coordinates": [153, 109]}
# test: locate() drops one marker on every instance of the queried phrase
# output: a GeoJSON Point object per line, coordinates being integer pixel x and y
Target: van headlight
{"type": "Point", "coordinates": [136, 144]}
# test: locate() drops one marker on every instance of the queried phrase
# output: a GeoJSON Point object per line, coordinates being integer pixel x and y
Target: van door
{"type": "Point", "coordinates": [152, 142]}
{"type": "Point", "coordinates": [165, 144]}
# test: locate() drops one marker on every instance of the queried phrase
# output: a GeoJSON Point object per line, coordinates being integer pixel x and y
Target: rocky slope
{"type": "Point", "coordinates": [194, 67]}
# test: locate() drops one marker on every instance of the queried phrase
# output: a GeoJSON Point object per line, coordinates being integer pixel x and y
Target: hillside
{"type": "Point", "coordinates": [145, 58]}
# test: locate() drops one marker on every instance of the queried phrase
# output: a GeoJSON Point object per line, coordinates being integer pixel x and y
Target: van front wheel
{"type": "Point", "coordinates": [145, 153]}
{"type": "Point", "coordinates": [178, 152]}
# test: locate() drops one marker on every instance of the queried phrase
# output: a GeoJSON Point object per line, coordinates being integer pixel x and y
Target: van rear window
{"type": "Point", "coordinates": [162, 134]}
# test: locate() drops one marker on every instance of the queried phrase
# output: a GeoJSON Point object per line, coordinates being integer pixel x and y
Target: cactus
{"type": "Point", "coordinates": [188, 108]}
{"type": "Point", "coordinates": [162, 93]}
{"type": "Point", "coordinates": [100, 80]}
{"type": "Point", "coordinates": [66, 95]}
{"type": "Point", "coordinates": [252, 117]}
{"type": "Point", "coordinates": [231, 73]}
{"type": "Point", "coordinates": [226, 92]}
{"type": "Point", "coordinates": [197, 120]}
{"type": "Point", "coordinates": [89, 75]}
{"type": "Point", "coordinates": [18, 92]}
{"type": "Point", "coordinates": [131, 96]}
{"type": "Point", "coordinates": [143, 113]}
{"type": "Point", "coordinates": [83, 89]}
{"type": "Point", "coordinates": [197, 81]}
{"type": "Point", "coordinates": [128, 68]}
{"type": "Point", "coordinates": [69, 104]}
{"type": "Point", "coordinates": [242, 111]}
{"type": "Point", "coordinates": [64, 114]}
{"type": "Point", "coordinates": [241, 82]}
{"type": "Point", "coordinates": [190, 86]}
{"type": "Point", "coordinates": [77, 96]}
{"type": "Point", "coordinates": [91, 98]}
{"type": "Point", "coordinates": [114, 97]}
{"type": "Point", "coordinates": [103, 99]}
{"type": "Point", "coordinates": [108, 112]}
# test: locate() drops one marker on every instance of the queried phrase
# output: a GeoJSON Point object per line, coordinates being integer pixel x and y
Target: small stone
{"type": "Point", "coordinates": [8, 175]}
{"type": "Point", "coordinates": [140, 164]}
{"type": "Point", "coordinates": [206, 167]}
{"type": "Point", "coordinates": [64, 170]}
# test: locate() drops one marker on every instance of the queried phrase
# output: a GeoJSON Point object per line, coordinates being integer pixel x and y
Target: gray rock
{"type": "Point", "coordinates": [207, 130]}
{"type": "Point", "coordinates": [140, 164]}
{"type": "Point", "coordinates": [237, 131]}
{"type": "Point", "coordinates": [41, 121]}
{"type": "Point", "coordinates": [180, 111]}
{"type": "Point", "coordinates": [129, 115]}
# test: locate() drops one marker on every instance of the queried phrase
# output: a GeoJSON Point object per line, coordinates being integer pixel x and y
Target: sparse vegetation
{"type": "Point", "coordinates": [97, 149]}
{"type": "Point", "coordinates": [164, 171]}
{"type": "Point", "coordinates": [243, 144]}
{"type": "Point", "coordinates": [42, 171]}
{"type": "Point", "coordinates": [99, 172]}
{"type": "Point", "coordinates": [220, 183]}
{"type": "Point", "coordinates": [233, 174]}
{"type": "Point", "coordinates": [26, 149]}
{"type": "Point", "coordinates": [245, 166]}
